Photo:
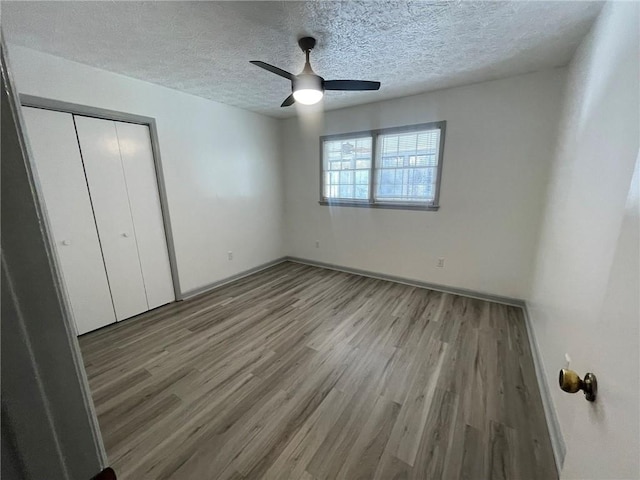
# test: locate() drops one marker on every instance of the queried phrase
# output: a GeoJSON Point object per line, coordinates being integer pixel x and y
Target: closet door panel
{"type": "Point", "coordinates": [142, 186]}
{"type": "Point", "coordinates": [107, 186]}
{"type": "Point", "coordinates": [63, 185]}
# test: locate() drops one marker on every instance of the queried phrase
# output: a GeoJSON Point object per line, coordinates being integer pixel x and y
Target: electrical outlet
{"type": "Point", "coordinates": [317, 243]}
{"type": "Point", "coordinates": [230, 255]}
{"type": "Point", "coordinates": [440, 263]}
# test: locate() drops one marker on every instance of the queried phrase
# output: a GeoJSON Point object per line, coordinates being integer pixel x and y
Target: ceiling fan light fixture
{"type": "Point", "coordinates": [308, 96]}
{"type": "Point", "coordinates": [307, 89]}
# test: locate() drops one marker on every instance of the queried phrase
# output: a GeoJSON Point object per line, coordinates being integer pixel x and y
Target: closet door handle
{"type": "Point", "coordinates": [125, 234]}
{"type": "Point", "coordinates": [66, 242]}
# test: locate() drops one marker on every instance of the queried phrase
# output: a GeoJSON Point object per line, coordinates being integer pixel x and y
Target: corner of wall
{"type": "Point", "coordinates": [280, 126]}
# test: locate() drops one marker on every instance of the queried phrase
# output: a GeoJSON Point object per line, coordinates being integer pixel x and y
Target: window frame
{"type": "Point", "coordinates": [374, 134]}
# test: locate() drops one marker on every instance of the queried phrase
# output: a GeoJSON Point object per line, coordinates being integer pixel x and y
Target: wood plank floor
{"type": "Point", "coordinates": [299, 372]}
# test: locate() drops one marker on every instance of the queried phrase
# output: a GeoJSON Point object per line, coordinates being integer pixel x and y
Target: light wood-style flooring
{"type": "Point", "coordinates": [299, 372]}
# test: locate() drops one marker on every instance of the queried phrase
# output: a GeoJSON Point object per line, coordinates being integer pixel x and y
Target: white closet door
{"type": "Point", "coordinates": [142, 185]}
{"type": "Point", "coordinates": [107, 184]}
{"type": "Point", "coordinates": [59, 168]}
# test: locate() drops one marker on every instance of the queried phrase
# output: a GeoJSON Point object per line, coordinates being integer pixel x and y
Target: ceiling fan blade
{"type": "Point", "coordinates": [351, 85]}
{"type": "Point", "coordinates": [272, 69]}
{"type": "Point", "coordinates": [288, 101]}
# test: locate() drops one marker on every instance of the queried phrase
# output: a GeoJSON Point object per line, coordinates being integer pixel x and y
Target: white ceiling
{"type": "Point", "coordinates": [204, 48]}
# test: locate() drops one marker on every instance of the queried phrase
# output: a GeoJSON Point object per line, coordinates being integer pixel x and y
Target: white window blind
{"type": "Point", "coordinates": [407, 167]}
{"type": "Point", "coordinates": [347, 168]}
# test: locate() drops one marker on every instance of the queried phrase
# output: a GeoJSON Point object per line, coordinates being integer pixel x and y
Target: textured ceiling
{"type": "Point", "coordinates": [204, 48]}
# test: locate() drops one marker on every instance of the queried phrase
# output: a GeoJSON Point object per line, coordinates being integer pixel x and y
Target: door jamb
{"type": "Point", "coordinates": [68, 323]}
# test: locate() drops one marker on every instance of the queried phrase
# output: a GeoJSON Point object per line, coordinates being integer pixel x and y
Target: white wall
{"type": "Point", "coordinates": [500, 136]}
{"type": "Point", "coordinates": [585, 291]}
{"type": "Point", "coordinates": [221, 164]}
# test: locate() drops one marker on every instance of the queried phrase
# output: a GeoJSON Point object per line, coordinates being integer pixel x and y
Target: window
{"type": "Point", "coordinates": [391, 168]}
{"type": "Point", "coordinates": [347, 168]}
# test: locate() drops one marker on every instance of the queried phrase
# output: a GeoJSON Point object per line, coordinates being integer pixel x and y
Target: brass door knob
{"type": "Point", "coordinates": [571, 382]}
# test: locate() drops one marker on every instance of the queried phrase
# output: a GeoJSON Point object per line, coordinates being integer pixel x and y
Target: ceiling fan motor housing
{"type": "Point", "coordinates": [307, 81]}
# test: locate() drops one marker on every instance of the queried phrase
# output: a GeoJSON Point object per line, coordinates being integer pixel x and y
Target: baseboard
{"type": "Point", "coordinates": [415, 283]}
{"type": "Point", "coordinates": [205, 288]}
{"type": "Point", "coordinates": [555, 433]}
{"type": "Point", "coordinates": [365, 273]}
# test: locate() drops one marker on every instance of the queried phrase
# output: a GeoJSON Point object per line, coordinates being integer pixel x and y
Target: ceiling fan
{"type": "Point", "coordinates": [307, 87]}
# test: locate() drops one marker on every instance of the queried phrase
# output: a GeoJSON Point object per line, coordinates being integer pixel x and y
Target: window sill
{"type": "Point", "coordinates": [390, 206]}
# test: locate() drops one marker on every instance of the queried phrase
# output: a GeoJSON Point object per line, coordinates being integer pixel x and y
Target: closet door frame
{"type": "Point", "coordinates": [105, 114]}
